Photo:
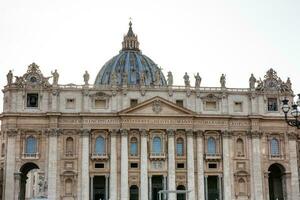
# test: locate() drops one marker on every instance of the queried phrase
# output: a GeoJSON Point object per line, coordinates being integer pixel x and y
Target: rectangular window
{"type": "Point", "coordinates": [238, 107]}
{"type": "Point", "coordinates": [272, 104]}
{"type": "Point", "coordinates": [211, 105]}
{"type": "Point", "coordinates": [212, 165]}
{"type": "Point", "coordinates": [70, 103]}
{"type": "Point", "coordinates": [99, 165]}
{"type": "Point", "coordinates": [134, 165]}
{"type": "Point", "coordinates": [32, 100]}
{"type": "Point", "coordinates": [100, 103]}
{"type": "Point", "coordinates": [180, 165]}
{"type": "Point", "coordinates": [133, 102]}
{"type": "Point", "coordinates": [179, 103]}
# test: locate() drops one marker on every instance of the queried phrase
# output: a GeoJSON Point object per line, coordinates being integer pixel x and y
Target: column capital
{"type": "Point", "coordinates": [189, 132]}
{"type": "Point", "coordinates": [17, 175]}
{"type": "Point", "coordinates": [53, 132]}
{"type": "Point", "coordinates": [12, 132]}
{"type": "Point", "coordinates": [124, 132]}
{"type": "Point", "coordinates": [170, 132]}
{"type": "Point", "coordinates": [292, 135]}
{"type": "Point", "coordinates": [84, 132]}
{"type": "Point", "coordinates": [255, 134]}
{"type": "Point", "coordinates": [199, 133]}
{"type": "Point", "coordinates": [226, 134]}
{"type": "Point", "coordinates": [113, 132]}
{"type": "Point", "coordinates": [144, 132]}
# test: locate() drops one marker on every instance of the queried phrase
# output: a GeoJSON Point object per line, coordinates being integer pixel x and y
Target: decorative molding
{"type": "Point", "coordinates": [156, 107]}
{"type": "Point", "coordinates": [200, 133]}
{"type": "Point", "coordinates": [292, 135]}
{"type": "Point", "coordinates": [226, 133]}
{"type": "Point", "coordinates": [190, 133]}
{"type": "Point", "coordinates": [124, 132]}
{"type": "Point", "coordinates": [144, 132]}
{"type": "Point", "coordinates": [12, 132]}
{"type": "Point", "coordinates": [113, 132]}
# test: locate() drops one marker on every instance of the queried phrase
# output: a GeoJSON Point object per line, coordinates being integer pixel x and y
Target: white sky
{"type": "Point", "coordinates": [235, 37]}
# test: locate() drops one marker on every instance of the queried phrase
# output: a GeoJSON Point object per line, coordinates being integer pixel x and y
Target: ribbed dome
{"type": "Point", "coordinates": [130, 64]}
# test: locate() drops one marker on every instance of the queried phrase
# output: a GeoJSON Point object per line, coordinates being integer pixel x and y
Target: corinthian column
{"type": "Point", "coordinates": [113, 189]}
{"type": "Point", "coordinates": [124, 165]}
{"type": "Point", "coordinates": [10, 164]}
{"type": "Point", "coordinates": [226, 166]}
{"type": "Point", "coordinates": [256, 166]}
{"type": "Point", "coordinates": [171, 164]}
{"type": "Point", "coordinates": [144, 166]}
{"type": "Point", "coordinates": [190, 165]}
{"type": "Point", "coordinates": [294, 166]}
{"type": "Point", "coordinates": [52, 164]}
{"type": "Point", "coordinates": [85, 175]}
{"type": "Point", "coordinates": [200, 166]}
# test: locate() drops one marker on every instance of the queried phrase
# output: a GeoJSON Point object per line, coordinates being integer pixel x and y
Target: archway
{"type": "Point", "coordinates": [276, 182]}
{"type": "Point", "coordinates": [134, 192]}
{"type": "Point", "coordinates": [180, 196]}
{"type": "Point", "coordinates": [27, 169]}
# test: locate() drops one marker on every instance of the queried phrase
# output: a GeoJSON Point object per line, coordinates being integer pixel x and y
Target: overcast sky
{"type": "Point", "coordinates": [235, 37]}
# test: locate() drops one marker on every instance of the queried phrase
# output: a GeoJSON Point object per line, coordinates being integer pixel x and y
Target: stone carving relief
{"type": "Point", "coordinates": [272, 82]}
{"type": "Point", "coordinates": [156, 106]}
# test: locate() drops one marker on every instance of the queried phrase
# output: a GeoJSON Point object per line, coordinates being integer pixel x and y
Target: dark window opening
{"type": "Point", "coordinates": [272, 104]}
{"type": "Point", "coordinates": [180, 165]}
{"type": "Point", "coordinates": [32, 100]}
{"type": "Point", "coordinates": [134, 165]}
{"type": "Point", "coordinates": [212, 165]}
{"type": "Point", "coordinates": [133, 102]}
{"type": "Point", "coordinates": [99, 165]}
{"type": "Point", "coordinates": [179, 103]}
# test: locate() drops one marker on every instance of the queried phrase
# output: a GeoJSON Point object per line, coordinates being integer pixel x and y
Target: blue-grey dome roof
{"type": "Point", "coordinates": [130, 64]}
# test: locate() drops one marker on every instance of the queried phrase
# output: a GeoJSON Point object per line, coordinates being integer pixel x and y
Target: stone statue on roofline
{"type": "Point", "coordinates": [197, 80]}
{"type": "Point", "coordinates": [157, 77]}
{"type": "Point", "coordinates": [252, 81]}
{"type": "Point", "coordinates": [223, 81]}
{"type": "Point", "coordinates": [289, 83]}
{"type": "Point", "coordinates": [142, 79]}
{"type": "Point", "coordinates": [9, 77]}
{"type": "Point", "coordinates": [186, 78]}
{"type": "Point", "coordinates": [170, 78]}
{"type": "Point", "coordinates": [113, 78]}
{"type": "Point", "coordinates": [86, 78]}
{"type": "Point", "coordinates": [55, 77]}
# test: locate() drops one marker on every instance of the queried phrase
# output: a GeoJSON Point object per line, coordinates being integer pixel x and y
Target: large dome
{"type": "Point", "coordinates": [130, 66]}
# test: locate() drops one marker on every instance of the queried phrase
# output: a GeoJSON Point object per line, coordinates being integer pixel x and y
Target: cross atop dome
{"type": "Point", "coordinates": [130, 41]}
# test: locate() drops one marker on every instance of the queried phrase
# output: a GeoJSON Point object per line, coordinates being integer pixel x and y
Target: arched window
{"type": "Point", "coordinates": [31, 146]}
{"type": "Point", "coordinates": [68, 186]}
{"type": "Point", "coordinates": [69, 146]}
{"type": "Point", "coordinates": [274, 147]}
{"type": "Point", "coordinates": [156, 145]}
{"type": "Point", "coordinates": [211, 146]}
{"type": "Point", "coordinates": [181, 196]}
{"type": "Point", "coordinates": [179, 147]}
{"type": "Point", "coordinates": [133, 146]}
{"type": "Point", "coordinates": [100, 146]}
{"type": "Point", "coordinates": [242, 187]}
{"type": "Point", "coordinates": [134, 192]}
{"type": "Point", "coordinates": [240, 147]}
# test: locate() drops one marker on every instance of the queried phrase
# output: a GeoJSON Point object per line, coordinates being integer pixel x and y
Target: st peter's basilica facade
{"type": "Point", "coordinates": [134, 135]}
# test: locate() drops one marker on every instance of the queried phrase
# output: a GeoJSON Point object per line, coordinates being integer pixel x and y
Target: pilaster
{"type": "Point", "coordinates": [144, 165]}
{"type": "Point", "coordinates": [113, 187]}
{"type": "Point", "coordinates": [171, 164]}
{"type": "Point", "coordinates": [190, 164]}
{"type": "Point", "coordinates": [85, 136]}
{"type": "Point", "coordinates": [124, 164]}
{"type": "Point", "coordinates": [200, 166]}
{"type": "Point", "coordinates": [226, 165]}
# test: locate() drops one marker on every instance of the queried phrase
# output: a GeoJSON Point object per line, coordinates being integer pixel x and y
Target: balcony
{"type": "Point", "coordinates": [213, 156]}
{"type": "Point", "coordinates": [99, 156]}
{"type": "Point", "coordinates": [30, 156]}
{"type": "Point", "coordinates": [157, 156]}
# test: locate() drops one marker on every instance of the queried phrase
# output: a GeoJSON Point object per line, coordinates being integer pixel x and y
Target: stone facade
{"type": "Point", "coordinates": [100, 141]}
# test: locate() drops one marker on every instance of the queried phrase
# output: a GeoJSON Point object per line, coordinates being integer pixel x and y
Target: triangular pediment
{"type": "Point", "coordinates": [157, 106]}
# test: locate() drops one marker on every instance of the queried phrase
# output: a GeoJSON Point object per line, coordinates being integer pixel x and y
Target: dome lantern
{"type": "Point", "coordinates": [130, 41]}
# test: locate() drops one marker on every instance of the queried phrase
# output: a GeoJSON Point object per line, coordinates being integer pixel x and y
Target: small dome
{"type": "Point", "coordinates": [130, 66]}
